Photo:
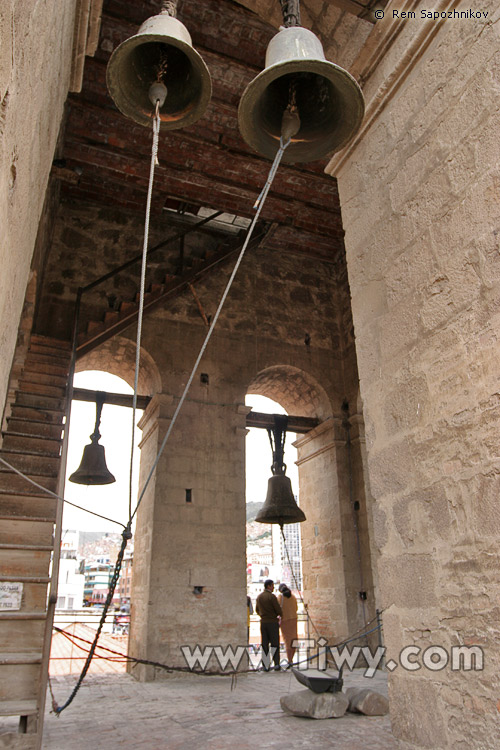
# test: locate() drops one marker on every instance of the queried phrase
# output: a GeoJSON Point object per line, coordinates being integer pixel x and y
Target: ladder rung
{"type": "Point", "coordinates": [25, 579]}
{"type": "Point", "coordinates": [28, 547]}
{"type": "Point", "coordinates": [20, 658]}
{"type": "Point", "coordinates": [23, 615]}
{"type": "Point", "coordinates": [18, 708]}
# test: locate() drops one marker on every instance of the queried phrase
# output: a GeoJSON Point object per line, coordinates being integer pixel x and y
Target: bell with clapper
{"type": "Point", "coordinates": [93, 469]}
{"type": "Point", "coordinates": [280, 506]}
{"type": "Point", "coordinates": [299, 82]}
{"type": "Point", "coordinates": [159, 64]}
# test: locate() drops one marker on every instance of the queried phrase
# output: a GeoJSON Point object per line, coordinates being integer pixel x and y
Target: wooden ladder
{"type": "Point", "coordinates": [32, 444]}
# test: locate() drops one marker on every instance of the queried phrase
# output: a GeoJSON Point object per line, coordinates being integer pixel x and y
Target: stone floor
{"type": "Point", "coordinates": [188, 712]}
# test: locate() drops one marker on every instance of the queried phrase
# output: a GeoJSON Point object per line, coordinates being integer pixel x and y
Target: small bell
{"type": "Point", "coordinates": [298, 78]}
{"type": "Point", "coordinates": [160, 53]}
{"type": "Point", "coordinates": [93, 469]}
{"type": "Point", "coordinates": [280, 506]}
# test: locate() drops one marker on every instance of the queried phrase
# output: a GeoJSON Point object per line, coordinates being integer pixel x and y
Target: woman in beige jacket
{"type": "Point", "coordinates": [288, 622]}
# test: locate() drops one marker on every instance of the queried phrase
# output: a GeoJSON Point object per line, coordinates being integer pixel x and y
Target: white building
{"type": "Point", "coordinates": [289, 559]}
{"type": "Point", "coordinates": [71, 579]}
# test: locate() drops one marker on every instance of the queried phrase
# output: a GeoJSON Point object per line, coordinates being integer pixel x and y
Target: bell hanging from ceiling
{"type": "Point", "coordinates": [280, 506]}
{"type": "Point", "coordinates": [93, 469]}
{"type": "Point", "coordinates": [159, 63]}
{"type": "Point", "coordinates": [298, 79]}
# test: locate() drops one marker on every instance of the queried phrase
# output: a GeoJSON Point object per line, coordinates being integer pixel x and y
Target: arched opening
{"type": "Point", "coordinates": [270, 554]}
{"type": "Point", "coordinates": [91, 532]}
{"type": "Point", "coordinates": [335, 539]}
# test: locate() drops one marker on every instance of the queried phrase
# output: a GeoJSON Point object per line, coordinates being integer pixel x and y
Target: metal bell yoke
{"type": "Point", "coordinates": [160, 53]}
{"type": "Point", "coordinates": [327, 98]}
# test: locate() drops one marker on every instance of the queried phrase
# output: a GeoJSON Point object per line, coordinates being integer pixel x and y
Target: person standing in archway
{"type": "Point", "coordinates": [268, 609]}
{"type": "Point", "coordinates": [288, 622]}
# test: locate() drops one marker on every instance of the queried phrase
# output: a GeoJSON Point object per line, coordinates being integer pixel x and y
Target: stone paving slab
{"type": "Point", "coordinates": [187, 712]}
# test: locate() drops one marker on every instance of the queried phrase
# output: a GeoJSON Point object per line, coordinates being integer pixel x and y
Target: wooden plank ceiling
{"type": "Point", "coordinates": [207, 164]}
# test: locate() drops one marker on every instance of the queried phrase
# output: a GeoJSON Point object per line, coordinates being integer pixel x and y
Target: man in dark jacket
{"type": "Point", "coordinates": [268, 609]}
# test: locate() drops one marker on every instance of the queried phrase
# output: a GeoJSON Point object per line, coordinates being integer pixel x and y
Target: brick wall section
{"type": "Point", "coordinates": [420, 207]}
{"type": "Point", "coordinates": [90, 240]}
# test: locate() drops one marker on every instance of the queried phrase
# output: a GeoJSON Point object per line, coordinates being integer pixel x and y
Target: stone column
{"type": "Point", "coordinates": [335, 538]}
{"type": "Point", "coordinates": [322, 548]}
{"type": "Point", "coordinates": [189, 583]}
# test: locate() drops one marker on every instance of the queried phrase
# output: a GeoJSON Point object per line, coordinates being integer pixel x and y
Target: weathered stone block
{"type": "Point", "coordinates": [366, 701]}
{"type": "Point", "coordinates": [315, 705]}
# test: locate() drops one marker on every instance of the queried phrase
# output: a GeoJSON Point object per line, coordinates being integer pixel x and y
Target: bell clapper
{"type": "Point", "coordinates": [157, 93]}
{"type": "Point", "coordinates": [290, 122]}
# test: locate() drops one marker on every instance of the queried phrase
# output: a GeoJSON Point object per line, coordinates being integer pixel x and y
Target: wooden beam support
{"type": "Point", "coordinates": [254, 418]}
{"type": "Point", "coordinates": [116, 399]}
{"type": "Point", "coordinates": [295, 424]}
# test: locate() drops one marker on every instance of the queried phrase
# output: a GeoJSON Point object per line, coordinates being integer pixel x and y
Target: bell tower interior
{"type": "Point", "coordinates": [367, 300]}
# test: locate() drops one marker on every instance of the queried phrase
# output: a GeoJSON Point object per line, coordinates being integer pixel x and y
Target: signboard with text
{"type": "Point", "coordinates": [10, 595]}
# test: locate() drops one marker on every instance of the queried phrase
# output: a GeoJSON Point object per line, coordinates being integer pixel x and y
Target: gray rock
{"type": "Point", "coordinates": [366, 701]}
{"type": "Point", "coordinates": [315, 705]}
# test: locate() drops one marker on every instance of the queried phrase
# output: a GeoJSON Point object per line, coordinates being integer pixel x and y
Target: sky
{"type": "Point", "coordinates": [112, 500]}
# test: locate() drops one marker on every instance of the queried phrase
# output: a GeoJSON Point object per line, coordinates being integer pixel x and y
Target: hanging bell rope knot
{"type": "Point", "coordinates": [291, 12]}
{"type": "Point", "coordinates": [169, 7]}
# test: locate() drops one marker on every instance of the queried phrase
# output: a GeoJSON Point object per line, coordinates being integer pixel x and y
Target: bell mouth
{"type": "Point", "coordinates": [329, 103]}
{"type": "Point", "coordinates": [149, 58]}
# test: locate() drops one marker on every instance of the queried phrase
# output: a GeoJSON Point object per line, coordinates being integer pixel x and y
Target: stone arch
{"type": "Point", "coordinates": [117, 356]}
{"type": "Point", "coordinates": [329, 471]}
{"type": "Point", "coordinates": [296, 390]}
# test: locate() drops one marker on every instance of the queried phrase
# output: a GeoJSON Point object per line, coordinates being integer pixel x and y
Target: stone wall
{"type": "Point", "coordinates": [419, 195]}
{"type": "Point", "coordinates": [35, 65]}
{"type": "Point", "coordinates": [202, 542]}
{"type": "Point", "coordinates": [258, 346]}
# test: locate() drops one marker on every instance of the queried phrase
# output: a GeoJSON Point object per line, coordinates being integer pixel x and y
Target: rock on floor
{"type": "Point", "coordinates": [315, 705]}
{"type": "Point", "coordinates": [368, 702]}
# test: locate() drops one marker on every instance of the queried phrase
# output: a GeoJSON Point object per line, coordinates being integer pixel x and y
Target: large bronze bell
{"type": "Point", "coordinates": [280, 506]}
{"type": "Point", "coordinates": [93, 469]}
{"type": "Point", "coordinates": [297, 77]}
{"type": "Point", "coordinates": [160, 53]}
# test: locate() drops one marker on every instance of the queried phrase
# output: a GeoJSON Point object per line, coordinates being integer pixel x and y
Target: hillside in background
{"type": "Point", "coordinates": [252, 510]}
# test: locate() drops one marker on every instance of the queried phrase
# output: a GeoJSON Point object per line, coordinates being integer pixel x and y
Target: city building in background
{"type": "Point", "coordinates": [124, 586]}
{"type": "Point", "coordinates": [291, 563]}
{"type": "Point", "coordinates": [98, 575]}
{"type": "Point", "coordinates": [70, 590]}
